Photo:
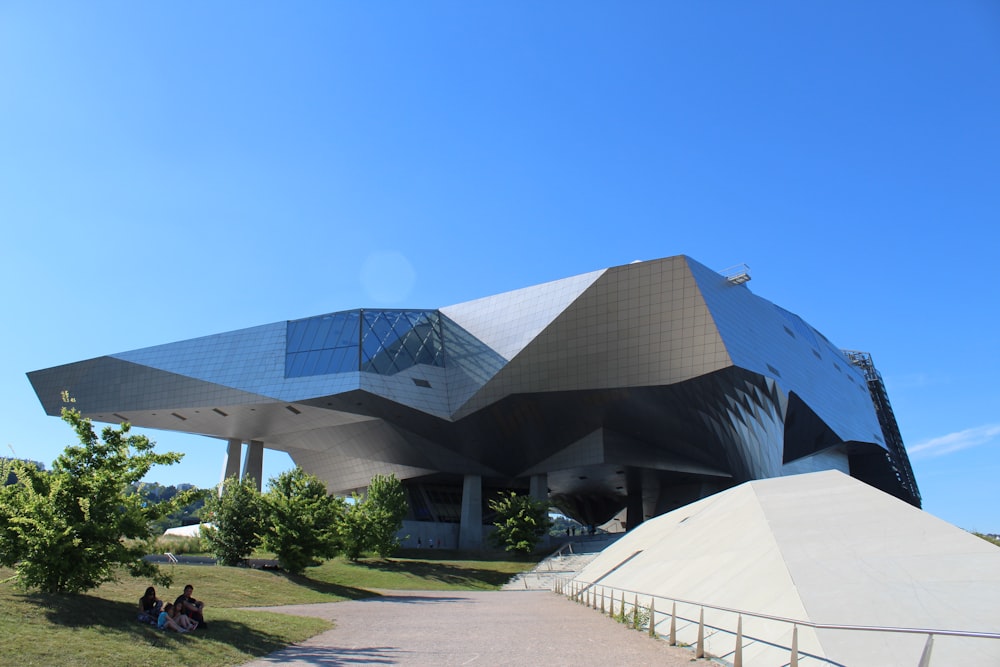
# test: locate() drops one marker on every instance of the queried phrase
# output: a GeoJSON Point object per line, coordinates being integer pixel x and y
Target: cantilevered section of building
{"type": "Point", "coordinates": [644, 386]}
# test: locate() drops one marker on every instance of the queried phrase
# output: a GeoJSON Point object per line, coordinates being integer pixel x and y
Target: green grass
{"type": "Point", "coordinates": [98, 628]}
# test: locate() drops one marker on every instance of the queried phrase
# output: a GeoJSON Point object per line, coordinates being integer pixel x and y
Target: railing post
{"type": "Point", "coordinates": [652, 617]}
{"type": "Point", "coordinates": [624, 618]}
{"type": "Point", "coordinates": [602, 600]}
{"type": "Point", "coordinates": [925, 657]}
{"type": "Point", "coordinates": [794, 661]}
{"type": "Point", "coordinates": [673, 624]}
{"type": "Point", "coordinates": [635, 612]}
{"type": "Point", "coordinates": [738, 653]}
{"type": "Point", "coordinates": [700, 650]}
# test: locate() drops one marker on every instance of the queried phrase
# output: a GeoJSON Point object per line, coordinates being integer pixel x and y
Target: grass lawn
{"type": "Point", "coordinates": [98, 628]}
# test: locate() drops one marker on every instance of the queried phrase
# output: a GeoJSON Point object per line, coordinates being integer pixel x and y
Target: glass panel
{"type": "Point", "coordinates": [332, 339]}
{"type": "Point", "coordinates": [349, 334]}
{"type": "Point", "coordinates": [322, 330]}
{"type": "Point", "coordinates": [309, 337]}
{"type": "Point", "coordinates": [293, 364]}
{"type": "Point", "coordinates": [323, 361]}
{"type": "Point", "coordinates": [390, 341]}
{"type": "Point", "coordinates": [294, 336]}
{"type": "Point", "coordinates": [309, 365]}
{"type": "Point", "coordinates": [344, 359]}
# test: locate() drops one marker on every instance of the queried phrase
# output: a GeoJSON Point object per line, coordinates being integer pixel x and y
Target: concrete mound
{"type": "Point", "coordinates": [819, 547]}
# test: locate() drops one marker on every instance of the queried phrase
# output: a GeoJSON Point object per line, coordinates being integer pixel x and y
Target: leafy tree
{"type": "Point", "coordinates": [187, 515]}
{"type": "Point", "coordinates": [520, 522]}
{"type": "Point", "coordinates": [352, 529]}
{"type": "Point", "coordinates": [371, 522]}
{"type": "Point", "coordinates": [385, 507]}
{"type": "Point", "coordinates": [236, 513]}
{"type": "Point", "coordinates": [72, 528]}
{"type": "Point", "coordinates": [302, 520]}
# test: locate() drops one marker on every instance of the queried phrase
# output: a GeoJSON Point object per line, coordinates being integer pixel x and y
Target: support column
{"type": "Point", "coordinates": [539, 488]}
{"type": "Point", "coordinates": [231, 463]}
{"type": "Point", "coordinates": [633, 485]}
{"type": "Point", "coordinates": [470, 530]}
{"type": "Point", "coordinates": [253, 465]}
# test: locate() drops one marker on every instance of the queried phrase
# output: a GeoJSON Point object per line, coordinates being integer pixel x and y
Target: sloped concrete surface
{"type": "Point", "coordinates": [820, 547]}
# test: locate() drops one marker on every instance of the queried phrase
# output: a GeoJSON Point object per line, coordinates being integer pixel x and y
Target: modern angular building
{"type": "Point", "coordinates": [641, 387]}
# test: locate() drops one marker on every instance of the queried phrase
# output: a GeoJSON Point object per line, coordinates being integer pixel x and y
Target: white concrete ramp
{"type": "Point", "coordinates": [820, 547]}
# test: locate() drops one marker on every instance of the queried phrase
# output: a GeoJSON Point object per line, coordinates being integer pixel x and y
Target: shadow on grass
{"type": "Point", "coordinates": [326, 588]}
{"type": "Point", "coordinates": [438, 571]}
{"type": "Point", "coordinates": [78, 611]}
{"type": "Point", "coordinates": [463, 555]}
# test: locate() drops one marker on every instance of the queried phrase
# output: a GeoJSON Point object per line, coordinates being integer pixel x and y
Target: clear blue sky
{"type": "Point", "coordinates": [171, 170]}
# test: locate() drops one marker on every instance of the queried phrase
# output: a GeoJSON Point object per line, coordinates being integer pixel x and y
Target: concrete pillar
{"type": "Point", "coordinates": [253, 465]}
{"type": "Point", "coordinates": [470, 530]}
{"type": "Point", "coordinates": [539, 488]}
{"type": "Point", "coordinates": [231, 463]}
{"type": "Point", "coordinates": [633, 485]}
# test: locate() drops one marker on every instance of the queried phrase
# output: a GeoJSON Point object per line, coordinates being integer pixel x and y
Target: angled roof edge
{"type": "Point", "coordinates": [507, 322]}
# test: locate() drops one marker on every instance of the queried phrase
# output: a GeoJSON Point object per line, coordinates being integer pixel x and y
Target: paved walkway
{"type": "Point", "coordinates": [471, 628]}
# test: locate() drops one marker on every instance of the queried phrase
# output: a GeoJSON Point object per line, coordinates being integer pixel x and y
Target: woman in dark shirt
{"type": "Point", "coordinates": [149, 606]}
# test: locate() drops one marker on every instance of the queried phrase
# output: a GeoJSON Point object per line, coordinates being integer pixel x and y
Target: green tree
{"type": "Point", "coordinates": [73, 528]}
{"type": "Point", "coordinates": [520, 522]}
{"type": "Point", "coordinates": [302, 520]}
{"type": "Point", "coordinates": [371, 523]}
{"type": "Point", "coordinates": [154, 492]}
{"type": "Point", "coordinates": [352, 529]}
{"type": "Point", "coordinates": [385, 508]}
{"type": "Point", "coordinates": [236, 513]}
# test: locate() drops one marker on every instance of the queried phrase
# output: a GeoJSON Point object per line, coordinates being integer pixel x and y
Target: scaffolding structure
{"type": "Point", "coordinates": [896, 454]}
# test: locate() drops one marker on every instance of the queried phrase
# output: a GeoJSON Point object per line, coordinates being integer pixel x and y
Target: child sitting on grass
{"type": "Point", "coordinates": [170, 620]}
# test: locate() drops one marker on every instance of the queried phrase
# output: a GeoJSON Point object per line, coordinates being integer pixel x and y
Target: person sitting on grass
{"type": "Point", "coordinates": [166, 622]}
{"type": "Point", "coordinates": [191, 607]}
{"type": "Point", "coordinates": [185, 622]}
{"type": "Point", "coordinates": [149, 606]}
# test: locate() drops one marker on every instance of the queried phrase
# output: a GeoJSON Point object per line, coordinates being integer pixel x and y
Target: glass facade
{"type": "Point", "coordinates": [373, 341]}
{"type": "Point", "coordinates": [664, 366]}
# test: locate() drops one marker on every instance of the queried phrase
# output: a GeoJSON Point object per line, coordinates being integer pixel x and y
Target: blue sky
{"type": "Point", "coordinates": [172, 170]}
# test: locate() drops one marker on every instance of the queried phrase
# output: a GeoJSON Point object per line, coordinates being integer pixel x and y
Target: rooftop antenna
{"type": "Point", "coordinates": [738, 274]}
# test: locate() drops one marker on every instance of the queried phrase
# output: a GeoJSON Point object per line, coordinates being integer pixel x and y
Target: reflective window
{"type": "Point", "coordinates": [374, 341]}
{"type": "Point", "coordinates": [393, 340]}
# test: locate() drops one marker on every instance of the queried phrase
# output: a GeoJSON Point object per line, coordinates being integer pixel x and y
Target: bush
{"type": "Point", "coordinates": [237, 516]}
{"type": "Point", "coordinates": [302, 520]}
{"type": "Point", "coordinates": [370, 523]}
{"type": "Point", "coordinates": [520, 522]}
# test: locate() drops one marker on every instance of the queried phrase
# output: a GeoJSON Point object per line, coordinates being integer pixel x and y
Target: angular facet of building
{"type": "Point", "coordinates": [644, 386]}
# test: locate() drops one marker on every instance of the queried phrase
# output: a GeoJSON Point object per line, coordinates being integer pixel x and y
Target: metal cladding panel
{"type": "Point", "coordinates": [249, 359]}
{"type": "Point", "coordinates": [108, 385]}
{"type": "Point", "coordinates": [642, 324]}
{"type": "Point", "coordinates": [508, 322]}
{"type": "Point", "coordinates": [765, 339]}
{"type": "Point", "coordinates": [423, 388]}
{"type": "Point", "coordinates": [469, 363]}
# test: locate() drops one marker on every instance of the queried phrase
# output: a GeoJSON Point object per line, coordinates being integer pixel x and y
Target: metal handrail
{"type": "Point", "coordinates": [584, 587]}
